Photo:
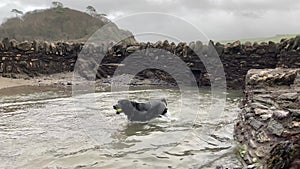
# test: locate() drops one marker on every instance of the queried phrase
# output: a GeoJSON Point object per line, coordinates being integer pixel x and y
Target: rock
{"type": "Point", "coordinates": [252, 144]}
{"type": "Point", "coordinates": [255, 123]}
{"type": "Point", "coordinates": [295, 124]}
{"type": "Point", "coordinates": [275, 128]}
{"type": "Point", "coordinates": [258, 105]}
{"type": "Point", "coordinates": [251, 166]}
{"type": "Point", "coordinates": [280, 114]}
{"type": "Point", "coordinates": [23, 64]}
{"type": "Point", "coordinates": [219, 48]}
{"type": "Point", "coordinates": [198, 47]}
{"type": "Point", "coordinates": [6, 43]}
{"type": "Point", "coordinates": [24, 46]}
{"type": "Point", "coordinates": [296, 43]}
{"type": "Point", "coordinates": [265, 117]}
{"type": "Point", "coordinates": [1, 67]}
{"type": "Point", "coordinates": [158, 44]}
{"type": "Point", "coordinates": [248, 44]}
{"type": "Point", "coordinates": [45, 47]}
{"type": "Point", "coordinates": [261, 51]}
{"type": "Point", "coordinates": [261, 111]}
{"type": "Point", "coordinates": [132, 49]}
{"type": "Point", "coordinates": [1, 46]}
{"type": "Point", "coordinates": [13, 43]}
{"type": "Point", "coordinates": [14, 76]}
{"type": "Point", "coordinates": [295, 112]}
{"type": "Point", "coordinates": [261, 151]}
{"type": "Point", "coordinates": [68, 47]}
{"type": "Point", "coordinates": [165, 44]}
{"type": "Point", "coordinates": [266, 78]}
{"type": "Point", "coordinates": [272, 47]}
{"type": "Point", "coordinates": [52, 48]}
{"type": "Point", "coordinates": [35, 45]}
{"type": "Point", "coordinates": [192, 45]}
{"type": "Point", "coordinates": [236, 45]}
{"type": "Point", "coordinates": [282, 155]}
{"type": "Point", "coordinates": [248, 47]}
{"type": "Point", "coordinates": [289, 96]}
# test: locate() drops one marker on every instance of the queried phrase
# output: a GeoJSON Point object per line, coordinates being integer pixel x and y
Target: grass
{"type": "Point", "coordinates": [275, 39]}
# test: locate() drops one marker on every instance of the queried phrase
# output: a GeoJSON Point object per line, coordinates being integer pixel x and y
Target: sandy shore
{"type": "Point", "coordinates": [8, 82]}
{"type": "Point", "coordinates": [63, 82]}
{"type": "Point", "coordinates": [38, 81]}
{"type": "Point", "coordinates": [57, 83]}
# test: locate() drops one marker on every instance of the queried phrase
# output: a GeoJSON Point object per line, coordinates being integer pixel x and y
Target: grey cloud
{"type": "Point", "coordinates": [219, 19]}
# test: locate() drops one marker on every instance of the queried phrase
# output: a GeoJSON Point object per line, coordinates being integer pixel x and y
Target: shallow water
{"type": "Point", "coordinates": [84, 131]}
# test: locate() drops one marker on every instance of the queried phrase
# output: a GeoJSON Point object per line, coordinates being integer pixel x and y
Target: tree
{"type": "Point", "coordinates": [91, 10]}
{"type": "Point", "coordinates": [57, 4]}
{"type": "Point", "coordinates": [17, 12]}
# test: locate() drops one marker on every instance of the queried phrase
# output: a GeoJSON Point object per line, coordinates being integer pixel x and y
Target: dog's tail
{"type": "Point", "coordinates": [165, 111]}
{"type": "Point", "coordinates": [164, 100]}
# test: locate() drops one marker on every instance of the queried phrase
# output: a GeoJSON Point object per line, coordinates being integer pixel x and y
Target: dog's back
{"type": "Point", "coordinates": [144, 111]}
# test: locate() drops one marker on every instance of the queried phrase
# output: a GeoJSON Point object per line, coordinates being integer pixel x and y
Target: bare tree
{"type": "Point", "coordinates": [57, 4]}
{"type": "Point", "coordinates": [91, 10]}
{"type": "Point", "coordinates": [17, 12]}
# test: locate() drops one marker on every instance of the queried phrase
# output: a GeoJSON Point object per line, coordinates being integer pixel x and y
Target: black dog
{"type": "Point", "coordinates": [141, 111]}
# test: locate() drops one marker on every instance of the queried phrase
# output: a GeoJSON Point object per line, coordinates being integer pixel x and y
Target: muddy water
{"type": "Point", "coordinates": [49, 130]}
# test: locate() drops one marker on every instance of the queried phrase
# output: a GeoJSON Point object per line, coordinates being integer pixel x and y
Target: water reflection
{"type": "Point", "coordinates": [141, 129]}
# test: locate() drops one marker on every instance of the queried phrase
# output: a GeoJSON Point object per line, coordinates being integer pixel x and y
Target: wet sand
{"type": "Point", "coordinates": [37, 81]}
{"type": "Point", "coordinates": [62, 83]}
{"type": "Point", "coordinates": [8, 82]}
{"type": "Point", "coordinates": [55, 82]}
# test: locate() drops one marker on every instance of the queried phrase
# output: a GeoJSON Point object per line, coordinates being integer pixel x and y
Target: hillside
{"type": "Point", "coordinates": [275, 39]}
{"type": "Point", "coordinates": [56, 24]}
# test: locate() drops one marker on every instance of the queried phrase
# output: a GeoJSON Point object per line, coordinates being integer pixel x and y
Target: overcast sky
{"type": "Point", "coordinates": [218, 19]}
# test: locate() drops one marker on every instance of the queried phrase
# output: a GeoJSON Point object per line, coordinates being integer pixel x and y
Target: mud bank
{"type": "Point", "coordinates": [41, 57]}
{"type": "Point", "coordinates": [268, 127]}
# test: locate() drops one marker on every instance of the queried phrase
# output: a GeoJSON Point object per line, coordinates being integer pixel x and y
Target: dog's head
{"type": "Point", "coordinates": [123, 106]}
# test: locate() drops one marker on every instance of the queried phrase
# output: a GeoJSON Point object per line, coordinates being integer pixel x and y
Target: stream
{"type": "Point", "coordinates": [53, 130]}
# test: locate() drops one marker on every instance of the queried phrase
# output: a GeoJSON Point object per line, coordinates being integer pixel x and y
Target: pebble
{"type": "Point", "coordinates": [265, 117]}
{"type": "Point", "coordinates": [258, 105]}
{"type": "Point", "coordinates": [260, 151]}
{"type": "Point", "coordinates": [255, 123]}
{"type": "Point", "coordinates": [259, 111]}
{"type": "Point", "coordinates": [252, 144]}
{"type": "Point", "coordinates": [280, 114]}
{"type": "Point", "coordinates": [289, 96]}
{"type": "Point", "coordinates": [295, 124]}
{"type": "Point", "coordinates": [262, 137]}
{"type": "Point", "coordinates": [275, 128]}
{"type": "Point", "coordinates": [251, 166]}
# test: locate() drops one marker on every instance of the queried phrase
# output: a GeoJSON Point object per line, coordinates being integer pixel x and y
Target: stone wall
{"type": "Point", "coordinates": [34, 58]}
{"type": "Point", "coordinates": [268, 127]}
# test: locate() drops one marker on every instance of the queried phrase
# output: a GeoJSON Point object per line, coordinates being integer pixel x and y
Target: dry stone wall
{"type": "Point", "coordinates": [268, 127]}
{"type": "Point", "coordinates": [35, 58]}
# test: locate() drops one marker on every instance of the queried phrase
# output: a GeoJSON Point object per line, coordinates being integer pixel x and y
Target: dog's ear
{"type": "Point", "coordinates": [134, 104]}
{"type": "Point", "coordinates": [165, 101]}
